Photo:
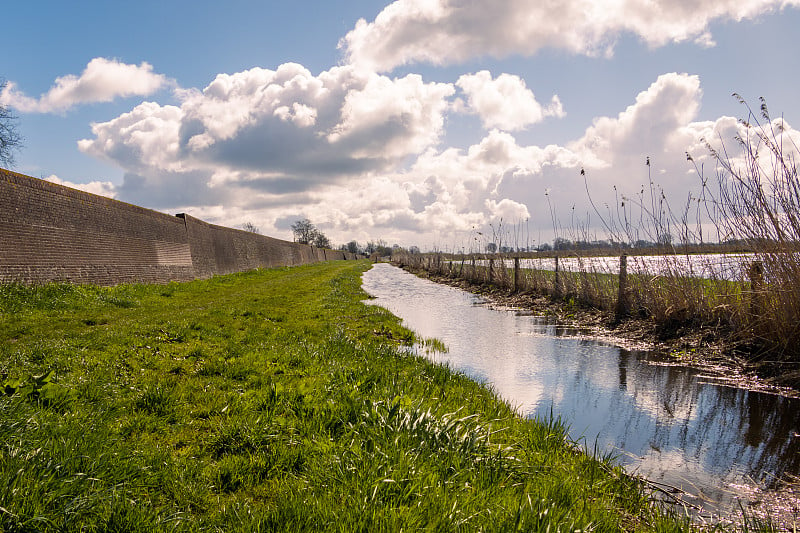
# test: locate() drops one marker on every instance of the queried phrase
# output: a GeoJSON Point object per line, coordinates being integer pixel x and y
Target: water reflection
{"type": "Point", "coordinates": [672, 425]}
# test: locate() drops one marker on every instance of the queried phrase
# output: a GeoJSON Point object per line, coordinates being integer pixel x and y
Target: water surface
{"type": "Point", "coordinates": [710, 266]}
{"type": "Point", "coordinates": [670, 424]}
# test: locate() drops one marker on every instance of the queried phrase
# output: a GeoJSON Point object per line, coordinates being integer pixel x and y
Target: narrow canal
{"type": "Point", "coordinates": [671, 425]}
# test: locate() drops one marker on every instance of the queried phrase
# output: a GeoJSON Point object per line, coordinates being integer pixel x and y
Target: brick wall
{"type": "Point", "coordinates": [53, 233]}
{"type": "Point", "coordinates": [220, 250]}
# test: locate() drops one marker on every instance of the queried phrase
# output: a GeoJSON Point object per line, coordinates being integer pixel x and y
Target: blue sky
{"type": "Point", "coordinates": [416, 122]}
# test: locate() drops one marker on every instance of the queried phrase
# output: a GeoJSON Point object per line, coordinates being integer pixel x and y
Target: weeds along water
{"type": "Point", "coordinates": [272, 400]}
{"type": "Point", "coordinates": [745, 301]}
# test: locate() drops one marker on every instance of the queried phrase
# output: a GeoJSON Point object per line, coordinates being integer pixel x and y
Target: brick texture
{"type": "Point", "coordinates": [49, 232]}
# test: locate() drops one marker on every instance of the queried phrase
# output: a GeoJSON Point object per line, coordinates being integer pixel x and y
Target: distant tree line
{"type": "Point", "coordinates": [561, 244]}
{"type": "Point", "coordinates": [306, 232]}
{"type": "Point", "coordinates": [378, 247]}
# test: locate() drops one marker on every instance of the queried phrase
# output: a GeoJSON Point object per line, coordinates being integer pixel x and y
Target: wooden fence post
{"type": "Point", "coordinates": [623, 305]}
{"type": "Point", "coordinates": [491, 268]}
{"type": "Point", "coordinates": [756, 288]}
{"type": "Point", "coordinates": [584, 276]}
{"type": "Point", "coordinates": [473, 270]}
{"type": "Point", "coordinates": [516, 274]}
{"type": "Point", "coordinates": [557, 287]}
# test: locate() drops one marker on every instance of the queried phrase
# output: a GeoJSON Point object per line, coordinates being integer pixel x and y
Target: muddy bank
{"type": "Point", "coordinates": [709, 349]}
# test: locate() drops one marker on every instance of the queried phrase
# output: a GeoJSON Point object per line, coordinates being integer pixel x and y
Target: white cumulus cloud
{"type": "Point", "coordinates": [451, 31]}
{"type": "Point", "coordinates": [648, 126]}
{"type": "Point", "coordinates": [280, 131]}
{"type": "Point", "coordinates": [101, 188]}
{"type": "Point", "coordinates": [500, 178]}
{"type": "Point", "coordinates": [144, 138]}
{"type": "Point", "coordinates": [505, 102]}
{"type": "Point", "coordinates": [102, 80]}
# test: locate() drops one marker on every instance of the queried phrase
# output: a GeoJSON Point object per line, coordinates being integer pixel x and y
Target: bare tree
{"type": "Point", "coordinates": [307, 233]}
{"type": "Point", "coordinates": [252, 228]}
{"type": "Point", "coordinates": [304, 231]}
{"type": "Point", "coordinates": [10, 139]}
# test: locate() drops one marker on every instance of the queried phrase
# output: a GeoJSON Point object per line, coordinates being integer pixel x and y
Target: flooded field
{"type": "Point", "coordinates": [716, 266]}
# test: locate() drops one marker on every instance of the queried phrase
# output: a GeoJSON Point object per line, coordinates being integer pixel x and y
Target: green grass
{"type": "Point", "coordinates": [272, 400]}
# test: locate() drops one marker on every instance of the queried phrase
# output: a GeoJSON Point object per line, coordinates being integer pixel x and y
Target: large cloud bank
{"type": "Point", "coordinates": [359, 153]}
{"type": "Point", "coordinates": [452, 31]}
{"type": "Point", "coordinates": [280, 131]}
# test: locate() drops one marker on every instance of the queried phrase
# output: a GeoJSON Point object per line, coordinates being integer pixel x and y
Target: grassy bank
{"type": "Point", "coordinates": [268, 401]}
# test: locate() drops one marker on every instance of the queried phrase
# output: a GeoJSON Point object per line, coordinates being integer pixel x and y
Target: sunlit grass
{"type": "Point", "coordinates": [269, 401]}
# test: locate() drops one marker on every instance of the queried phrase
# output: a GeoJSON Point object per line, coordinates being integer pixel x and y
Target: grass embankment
{"type": "Point", "coordinates": [270, 400]}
